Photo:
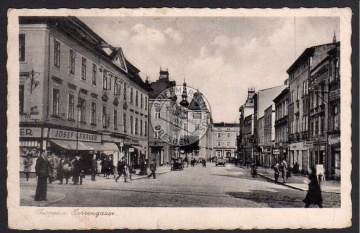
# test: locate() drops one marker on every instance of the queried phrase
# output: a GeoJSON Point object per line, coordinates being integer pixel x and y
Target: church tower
{"type": "Point", "coordinates": [334, 38]}
{"type": "Point", "coordinates": [184, 101]}
{"type": "Point", "coordinates": [164, 75]}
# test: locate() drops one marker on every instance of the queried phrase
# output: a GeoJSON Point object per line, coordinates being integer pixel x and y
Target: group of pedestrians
{"type": "Point", "coordinates": [50, 167]}
{"type": "Point", "coordinates": [283, 169]}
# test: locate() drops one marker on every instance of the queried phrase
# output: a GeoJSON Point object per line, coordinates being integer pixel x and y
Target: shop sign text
{"type": "Point", "coordinates": [30, 132]}
{"type": "Point", "coordinates": [73, 135]}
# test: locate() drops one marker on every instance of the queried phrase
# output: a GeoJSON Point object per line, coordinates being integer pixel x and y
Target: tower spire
{"type": "Point", "coordinates": [184, 101]}
{"type": "Point", "coordinates": [334, 37]}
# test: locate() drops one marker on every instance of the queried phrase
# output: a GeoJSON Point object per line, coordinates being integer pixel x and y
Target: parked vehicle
{"type": "Point", "coordinates": [220, 161]}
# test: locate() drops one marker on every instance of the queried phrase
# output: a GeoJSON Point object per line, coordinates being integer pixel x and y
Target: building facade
{"type": "Point", "coordinates": [245, 110]}
{"type": "Point", "coordinates": [269, 137]}
{"type": "Point", "coordinates": [78, 94]}
{"type": "Point", "coordinates": [299, 104]}
{"type": "Point", "coordinates": [262, 100]}
{"type": "Point", "coordinates": [334, 108]}
{"type": "Point", "coordinates": [247, 148]}
{"type": "Point", "coordinates": [281, 125]}
{"type": "Point", "coordinates": [224, 140]}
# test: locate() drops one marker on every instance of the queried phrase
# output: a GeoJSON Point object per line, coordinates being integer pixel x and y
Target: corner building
{"type": "Point", "coordinates": [78, 94]}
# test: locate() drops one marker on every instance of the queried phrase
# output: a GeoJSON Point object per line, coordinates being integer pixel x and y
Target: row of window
{"type": "Point", "coordinates": [136, 98]}
{"type": "Point", "coordinates": [136, 126]}
{"type": "Point", "coordinates": [281, 110]}
{"type": "Point", "coordinates": [227, 144]}
{"type": "Point", "coordinates": [298, 125]}
{"type": "Point", "coordinates": [228, 134]}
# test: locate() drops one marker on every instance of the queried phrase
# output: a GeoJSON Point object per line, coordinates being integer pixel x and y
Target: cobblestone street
{"type": "Point", "coordinates": [212, 186]}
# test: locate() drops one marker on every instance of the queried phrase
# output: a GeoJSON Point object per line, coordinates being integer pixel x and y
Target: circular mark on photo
{"type": "Point", "coordinates": [180, 116]}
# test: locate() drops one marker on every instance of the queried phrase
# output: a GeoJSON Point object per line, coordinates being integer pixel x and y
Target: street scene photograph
{"type": "Point", "coordinates": [142, 111]}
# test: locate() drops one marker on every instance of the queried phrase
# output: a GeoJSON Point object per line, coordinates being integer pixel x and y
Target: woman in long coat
{"type": "Point", "coordinates": [313, 195]}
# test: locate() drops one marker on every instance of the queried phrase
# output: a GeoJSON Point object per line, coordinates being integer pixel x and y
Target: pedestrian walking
{"type": "Point", "coordinates": [204, 163]}
{"type": "Point", "coordinates": [152, 169]}
{"type": "Point", "coordinates": [77, 168]}
{"type": "Point", "coordinates": [284, 171]}
{"type": "Point", "coordinates": [93, 167]}
{"type": "Point", "coordinates": [254, 171]}
{"type": "Point", "coordinates": [121, 170]}
{"type": "Point", "coordinates": [27, 166]}
{"type": "Point", "coordinates": [313, 196]}
{"type": "Point", "coordinates": [42, 173]}
{"type": "Point", "coordinates": [67, 168]}
{"type": "Point", "coordinates": [60, 169]}
{"type": "Point", "coordinates": [276, 172]}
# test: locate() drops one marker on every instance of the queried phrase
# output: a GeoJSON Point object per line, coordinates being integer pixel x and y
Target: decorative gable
{"type": "Point", "coordinates": [119, 59]}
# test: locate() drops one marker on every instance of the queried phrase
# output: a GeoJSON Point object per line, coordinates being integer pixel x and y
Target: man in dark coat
{"type": "Point", "coordinates": [42, 172]}
{"type": "Point", "coordinates": [121, 170]}
{"type": "Point", "coordinates": [77, 167]}
{"type": "Point", "coordinates": [152, 169]}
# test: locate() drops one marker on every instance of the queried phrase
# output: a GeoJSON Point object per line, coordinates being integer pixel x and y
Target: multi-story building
{"type": "Point", "coordinates": [262, 100]}
{"type": "Point", "coordinates": [159, 149]}
{"type": "Point", "coordinates": [299, 74]}
{"type": "Point", "coordinates": [269, 158]}
{"type": "Point", "coordinates": [247, 148]}
{"type": "Point", "coordinates": [245, 110]}
{"type": "Point", "coordinates": [200, 123]}
{"type": "Point", "coordinates": [333, 135]}
{"type": "Point", "coordinates": [77, 93]}
{"type": "Point", "coordinates": [281, 125]}
{"type": "Point", "coordinates": [224, 139]}
{"type": "Point", "coordinates": [319, 83]}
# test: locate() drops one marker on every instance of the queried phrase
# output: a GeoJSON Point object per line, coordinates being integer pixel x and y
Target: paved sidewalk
{"type": "Point", "coordinates": [299, 181]}
{"type": "Point", "coordinates": [27, 190]}
{"type": "Point", "coordinates": [27, 195]}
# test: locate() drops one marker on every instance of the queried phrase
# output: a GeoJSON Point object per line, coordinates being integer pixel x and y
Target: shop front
{"type": "Point", "coordinates": [334, 158]}
{"type": "Point", "coordinates": [266, 154]}
{"type": "Point", "coordinates": [70, 143]}
{"type": "Point", "coordinates": [299, 153]}
{"type": "Point", "coordinates": [30, 144]}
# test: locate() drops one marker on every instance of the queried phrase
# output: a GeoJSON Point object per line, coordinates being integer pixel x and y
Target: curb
{"type": "Point", "coordinates": [293, 187]}
{"type": "Point", "coordinates": [46, 203]}
{"type": "Point", "coordinates": [287, 185]}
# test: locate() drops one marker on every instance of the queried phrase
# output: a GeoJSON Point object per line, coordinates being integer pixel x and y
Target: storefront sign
{"type": "Point", "coordinates": [72, 135]}
{"type": "Point", "coordinates": [301, 145]}
{"type": "Point", "coordinates": [256, 153]}
{"type": "Point", "coordinates": [131, 150]}
{"type": "Point", "coordinates": [333, 139]}
{"type": "Point", "coordinates": [276, 151]}
{"type": "Point", "coordinates": [308, 144]}
{"type": "Point", "coordinates": [30, 132]}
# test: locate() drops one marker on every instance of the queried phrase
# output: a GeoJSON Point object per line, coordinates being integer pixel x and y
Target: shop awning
{"type": "Point", "coordinates": [71, 145]}
{"type": "Point", "coordinates": [137, 147]}
{"type": "Point", "coordinates": [111, 146]}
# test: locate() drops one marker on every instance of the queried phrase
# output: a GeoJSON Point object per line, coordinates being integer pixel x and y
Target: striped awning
{"type": "Point", "coordinates": [30, 144]}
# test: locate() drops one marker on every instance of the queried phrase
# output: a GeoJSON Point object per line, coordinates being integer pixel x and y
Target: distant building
{"type": "Point", "coordinates": [247, 148]}
{"type": "Point", "coordinates": [160, 150]}
{"type": "Point", "coordinates": [281, 125]}
{"type": "Point", "coordinates": [268, 157]}
{"type": "Point", "coordinates": [224, 139]}
{"type": "Point", "coordinates": [245, 110]}
{"type": "Point", "coordinates": [262, 100]}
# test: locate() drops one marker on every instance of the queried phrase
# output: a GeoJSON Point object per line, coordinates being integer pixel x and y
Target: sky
{"type": "Point", "coordinates": [220, 56]}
